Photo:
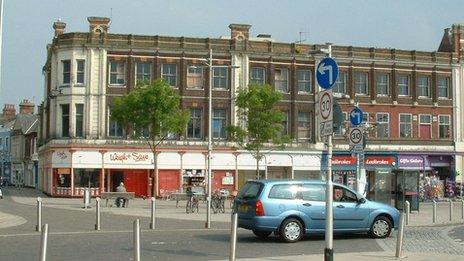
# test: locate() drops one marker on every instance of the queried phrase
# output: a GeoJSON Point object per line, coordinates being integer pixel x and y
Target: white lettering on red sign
{"type": "Point", "coordinates": [343, 161]}
{"type": "Point", "coordinates": [135, 156]}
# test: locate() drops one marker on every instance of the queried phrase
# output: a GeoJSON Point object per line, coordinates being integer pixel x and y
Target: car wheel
{"type": "Point", "coordinates": [261, 233]}
{"type": "Point", "coordinates": [291, 230]}
{"type": "Point", "coordinates": [381, 227]}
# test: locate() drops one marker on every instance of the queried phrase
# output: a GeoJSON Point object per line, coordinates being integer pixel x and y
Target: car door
{"type": "Point", "coordinates": [312, 206]}
{"type": "Point", "coordinates": [349, 214]}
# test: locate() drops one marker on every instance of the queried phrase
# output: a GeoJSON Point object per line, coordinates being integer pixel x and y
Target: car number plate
{"type": "Point", "coordinates": [243, 208]}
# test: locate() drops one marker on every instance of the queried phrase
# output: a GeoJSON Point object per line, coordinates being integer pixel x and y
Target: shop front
{"type": "Point", "coordinates": [409, 171]}
{"type": "Point", "coordinates": [379, 177]}
{"type": "Point", "coordinates": [344, 170]}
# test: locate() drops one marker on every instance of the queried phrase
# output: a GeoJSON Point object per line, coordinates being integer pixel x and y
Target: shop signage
{"type": "Point", "coordinates": [343, 160]}
{"type": "Point", "coordinates": [411, 162]}
{"type": "Point", "coordinates": [124, 157]}
{"type": "Point", "coordinates": [380, 160]}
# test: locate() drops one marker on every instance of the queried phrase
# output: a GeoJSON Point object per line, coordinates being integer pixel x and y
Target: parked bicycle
{"type": "Point", "coordinates": [217, 202]}
{"type": "Point", "coordinates": [192, 202]}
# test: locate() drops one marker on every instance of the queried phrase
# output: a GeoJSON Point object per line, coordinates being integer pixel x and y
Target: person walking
{"type": "Point", "coordinates": [121, 188]}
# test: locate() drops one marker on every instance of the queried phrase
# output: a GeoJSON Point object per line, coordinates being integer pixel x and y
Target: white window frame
{"type": "Point", "coordinates": [304, 81]}
{"type": "Point", "coordinates": [143, 73]}
{"type": "Point", "coordinates": [63, 72]}
{"type": "Point", "coordinates": [201, 124]}
{"type": "Point", "coordinates": [449, 124]}
{"type": "Point", "coordinates": [123, 73]}
{"type": "Point", "coordinates": [399, 126]}
{"type": "Point", "coordinates": [258, 81]}
{"type": "Point", "coordinates": [341, 75]}
{"type": "Point", "coordinates": [223, 127]}
{"type": "Point", "coordinates": [345, 120]}
{"type": "Point", "coordinates": [387, 84]}
{"type": "Point", "coordinates": [420, 123]}
{"type": "Point", "coordinates": [196, 77]}
{"type": "Point", "coordinates": [221, 77]}
{"type": "Point", "coordinates": [448, 83]}
{"type": "Point", "coordinates": [80, 72]}
{"type": "Point", "coordinates": [408, 85]}
{"type": "Point", "coordinates": [304, 139]}
{"type": "Point", "coordinates": [357, 82]}
{"type": "Point", "coordinates": [420, 86]}
{"type": "Point", "coordinates": [281, 84]}
{"type": "Point", "coordinates": [75, 120]}
{"type": "Point", "coordinates": [286, 118]}
{"type": "Point", "coordinates": [382, 123]}
{"type": "Point", "coordinates": [108, 127]}
{"type": "Point", "coordinates": [169, 73]}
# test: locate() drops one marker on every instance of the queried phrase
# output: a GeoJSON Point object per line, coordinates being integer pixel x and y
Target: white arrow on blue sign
{"type": "Point", "coordinates": [356, 116]}
{"type": "Point", "coordinates": [327, 73]}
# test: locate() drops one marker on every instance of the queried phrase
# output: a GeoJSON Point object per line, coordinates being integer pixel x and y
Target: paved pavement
{"type": "Point", "coordinates": [72, 235]}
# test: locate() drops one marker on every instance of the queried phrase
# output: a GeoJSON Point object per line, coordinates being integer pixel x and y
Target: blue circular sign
{"type": "Point", "coordinates": [356, 116]}
{"type": "Point", "coordinates": [327, 73]}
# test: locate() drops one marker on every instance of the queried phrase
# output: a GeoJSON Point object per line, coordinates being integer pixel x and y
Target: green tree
{"type": "Point", "coordinates": [261, 122]}
{"type": "Point", "coordinates": [151, 112]}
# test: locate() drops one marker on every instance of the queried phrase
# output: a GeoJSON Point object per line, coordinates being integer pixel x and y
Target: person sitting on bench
{"type": "Point", "coordinates": [121, 188]}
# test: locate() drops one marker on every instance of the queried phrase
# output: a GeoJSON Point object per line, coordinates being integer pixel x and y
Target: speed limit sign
{"type": "Point", "coordinates": [356, 137]}
{"type": "Point", "coordinates": [326, 112]}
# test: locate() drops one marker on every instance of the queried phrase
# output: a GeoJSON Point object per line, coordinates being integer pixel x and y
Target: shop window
{"type": "Point", "coordinates": [117, 73]}
{"type": "Point", "coordinates": [383, 125]}
{"type": "Point", "coordinates": [304, 126]}
{"type": "Point", "coordinates": [444, 126]}
{"type": "Point", "coordinates": [361, 83]}
{"type": "Point", "coordinates": [340, 83]}
{"type": "Point", "coordinates": [423, 84]}
{"type": "Point", "coordinates": [220, 78]}
{"type": "Point", "coordinates": [64, 120]}
{"type": "Point", "coordinates": [382, 84]}
{"type": "Point", "coordinates": [66, 65]}
{"type": "Point", "coordinates": [80, 120]}
{"type": "Point", "coordinates": [195, 77]}
{"type": "Point", "coordinates": [143, 71]}
{"type": "Point", "coordinates": [281, 80]}
{"type": "Point", "coordinates": [86, 178]}
{"type": "Point", "coordinates": [425, 126]}
{"type": "Point", "coordinates": [257, 76]}
{"type": "Point", "coordinates": [405, 125]}
{"type": "Point", "coordinates": [304, 81]}
{"type": "Point", "coordinates": [169, 74]}
{"type": "Point", "coordinates": [443, 87]}
{"type": "Point", "coordinates": [194, 125]}
{"type": "Point", "coordinates": [402, 83]}
{"type": "Point", "coordinates": [219, 123]}
{"type": "Point", "coordinates": [63, 178]}
{"type": "Point", "coordinates": [80, 72]}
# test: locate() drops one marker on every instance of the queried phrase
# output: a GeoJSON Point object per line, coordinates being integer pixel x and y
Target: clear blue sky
{"type": "Point", "coordinates": [405, 24]}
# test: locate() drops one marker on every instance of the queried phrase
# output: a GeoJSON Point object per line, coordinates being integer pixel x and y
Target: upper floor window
{"type": "Point", "coordinates": [444, 126]}
{"type": "Point", "coordinates": [64, 120]}
{"type": "Point", "coordinates": [382, 84]}
{"type": "Point", "coordinates": [405, 125]}
{"type": "Point", "coordinates": [281, 80]}
{"type": "Point", "coordinates": [361, 83]}
{"type": "Point", "coordinates": [304, 80]}
{"type": "Point", "coordinates": [423, 84]}
{"type": "Point", "coordinates": [117, 73]}
{"type": "Point", "coordinates": [219, 123]}
{"type": "Point", "coordinates": [66, 71]}
{"type": "Point", "coordinates": [402, 82]}
{"type": "Point", "coordinates": [114, 128]}
{"type": "Point", "coordinates": [340, 83]}
{"type": "Point", "coordinates": [340, 130]}
{"type": "Point", "coordinates": [425, 126]}
{"type": "Point", "coordinates": [383, 125]}
{"type": "Point", "coordinates": [220, 78]}
{"type": "Point", "coordinates": [80, 72]}
{"type": "Point", "coordinates": [195, 77]}
{"type": "Point", "coordinates": [304, 126]}
{"type": "Point", "coordinates": [79, 120]}
{"type": "Point", "coordinates": [257, 76]}
{"type": "Point", "coordinates": [443, 87]}
{"type": "Point", "coordinates": [143, 71]}
{"type": "Point", "coordinates": [169, 74]}
{"type": "Point", "coordinates": [285, 123]}
{"type": "Point", "coordinates": [194, 125]}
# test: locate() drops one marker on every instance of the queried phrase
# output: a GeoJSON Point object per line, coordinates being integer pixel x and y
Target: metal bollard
{"type": "Point", "coordinates": [408, 209]}
{"type": "Point", "coordinates": [462, 209]}
{"type": "Point", "coordinates": [434, 211]}
{"type": "Point", "coordinates": [152, 223]}
{"type": "Point", "coordinates": [137, 240]}
{"type": "Point", "coordinates": [450, 210]}
{"type": "Point", "coordinates": [38, 227]}
{"type": "Point", "coordinates": [399, 240]}
{"type": "Point", "coordinates": [98, 213]}
{"type": "Point", "coordinates": [43, 243]}
{"type": "Point", "coordinates": [233, 236]}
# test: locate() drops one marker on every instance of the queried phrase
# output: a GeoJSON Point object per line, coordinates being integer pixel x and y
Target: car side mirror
{"type": "Point", "coordinates": [361, 200]}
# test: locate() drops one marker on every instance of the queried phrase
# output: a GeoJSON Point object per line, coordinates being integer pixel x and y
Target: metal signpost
{"type": "Point", "coordinates": [357, 141]}
{"type": "Point", "coordinates": [326, 75]}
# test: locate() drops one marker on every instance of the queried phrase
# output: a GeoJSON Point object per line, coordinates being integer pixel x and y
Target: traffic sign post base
{"type": "Point", "coordinates": [328, 254]}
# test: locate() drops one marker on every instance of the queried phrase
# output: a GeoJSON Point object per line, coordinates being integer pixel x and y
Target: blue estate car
{"type": "Point", "coordinates": [291, 208]}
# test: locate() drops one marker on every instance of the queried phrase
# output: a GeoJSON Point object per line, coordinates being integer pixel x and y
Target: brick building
{"type": "Point", "coordinates": [408, 98]}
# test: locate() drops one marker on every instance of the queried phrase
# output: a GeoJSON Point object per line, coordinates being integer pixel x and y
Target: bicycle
{"type": "Point", "coordinates": [192, 204]}
{"type": "Point", "coordinates": [217, 203]}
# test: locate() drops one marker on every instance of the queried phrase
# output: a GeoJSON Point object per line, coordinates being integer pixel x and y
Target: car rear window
{"type": "Point", "coordinates": [313, 192]}
{"type": "Point", "coordinates": [251, 190]}
{"type": "Point", "coordinates": [284, 191]}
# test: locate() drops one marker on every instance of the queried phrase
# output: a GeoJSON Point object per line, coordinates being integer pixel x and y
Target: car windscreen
{"type": "Point", "coordinates": [251, 190]}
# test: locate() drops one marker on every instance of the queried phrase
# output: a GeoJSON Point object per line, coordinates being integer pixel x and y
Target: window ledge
{"type": "Point", "coordinates": [221, 89]}
{"type": "Point", "coordinates": [64, 86]}
{"type": "Point", "coordinates": [116, 86]}
{"type": "Point", "coordinates": [79, 85]}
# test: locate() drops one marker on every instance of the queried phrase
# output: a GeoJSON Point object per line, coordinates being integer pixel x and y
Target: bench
{"type": "Point", "coordinates": [115, 195]}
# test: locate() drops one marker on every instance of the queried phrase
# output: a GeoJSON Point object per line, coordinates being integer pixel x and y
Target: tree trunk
{"type": "Point", "coordinates": [257, 168]}
{"type": "Point", "coordinates": [155, 185]}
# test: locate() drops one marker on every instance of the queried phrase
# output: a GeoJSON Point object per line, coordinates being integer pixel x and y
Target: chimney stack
{"type": "Point", "coordinates": [99, 25]}
{"type": "Point", "coordinates": [9, 112]}
{"type": "Point", "coordinates": [59, 27]}
{"type": "Point", "coordinates": [26, 107]}
{"type": "Point", "coordinates": [240, 32]}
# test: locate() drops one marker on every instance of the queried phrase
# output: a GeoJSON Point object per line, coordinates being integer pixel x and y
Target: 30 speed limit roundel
{"type": "Point", "coordinates": [325, 105]}
{"type": "Point", "coordinates": [356, 136]}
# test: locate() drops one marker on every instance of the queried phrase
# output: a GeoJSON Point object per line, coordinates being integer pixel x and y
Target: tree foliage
{"type": "Point", "coordinates": [262, 121]}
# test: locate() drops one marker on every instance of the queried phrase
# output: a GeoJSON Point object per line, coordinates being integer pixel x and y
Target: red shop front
{"type": "Point", "coordinates": [135, 180]}
{"type": "Point", "coordinates": [223, 179]}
